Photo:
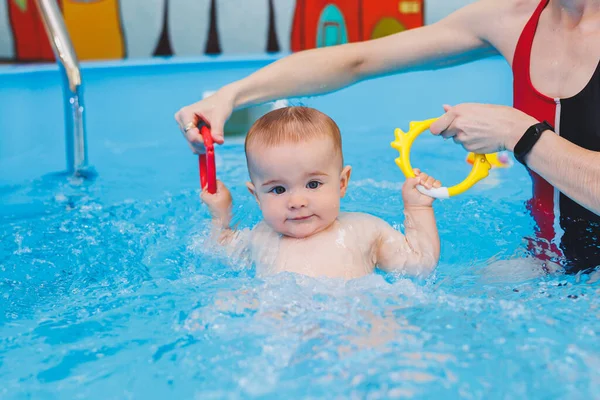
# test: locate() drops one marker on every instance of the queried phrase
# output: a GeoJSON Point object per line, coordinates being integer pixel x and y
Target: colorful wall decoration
{"type": "Point", "coordinates": [320, 23]}
{"type": "Point", "coordinates": [114, 29]}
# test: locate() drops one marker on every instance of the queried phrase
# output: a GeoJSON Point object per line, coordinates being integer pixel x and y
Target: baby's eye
{"type": "Point", "coordinates": [278, 190]}
{"type": "Point", "coordinates": [313, 184]}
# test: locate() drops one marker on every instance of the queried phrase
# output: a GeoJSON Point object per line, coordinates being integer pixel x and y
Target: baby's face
{"type": "Point", "coordinates": [298, 186]}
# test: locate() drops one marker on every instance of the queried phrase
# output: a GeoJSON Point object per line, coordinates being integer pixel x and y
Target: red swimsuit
{"type": "Point", "coordinates": [566, 228]}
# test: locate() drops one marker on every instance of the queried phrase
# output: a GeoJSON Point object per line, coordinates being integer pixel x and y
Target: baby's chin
{"type": "Point", "coordinates": [300, 235]}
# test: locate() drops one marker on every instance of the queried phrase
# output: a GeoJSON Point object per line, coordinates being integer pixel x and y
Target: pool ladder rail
{"type": "Point", "coordinates": [66, 58]}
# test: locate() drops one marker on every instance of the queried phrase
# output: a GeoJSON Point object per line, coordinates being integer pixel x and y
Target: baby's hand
{"type": "Point", "coordinates": [218, 203]}
{"type": "Point", "coordinates": [410, 194]}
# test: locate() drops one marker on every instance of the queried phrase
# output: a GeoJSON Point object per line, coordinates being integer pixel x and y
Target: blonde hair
{"type": "Point", "coordinates": [293, 125]}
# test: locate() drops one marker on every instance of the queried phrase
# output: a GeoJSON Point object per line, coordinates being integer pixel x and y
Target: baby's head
{"type": "Point", "coordinates": [296, 168]}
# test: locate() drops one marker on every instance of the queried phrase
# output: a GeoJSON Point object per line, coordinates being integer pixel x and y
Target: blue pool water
{"type": "Point", "coordinates": [109, 290]}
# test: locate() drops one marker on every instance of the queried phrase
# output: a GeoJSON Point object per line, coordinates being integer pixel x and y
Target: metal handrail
{"type": "Point", "coordinates": [75, 137]}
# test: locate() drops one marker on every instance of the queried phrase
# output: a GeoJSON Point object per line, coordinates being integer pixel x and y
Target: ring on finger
{"type": "Point", "coordinates": [188, 126]}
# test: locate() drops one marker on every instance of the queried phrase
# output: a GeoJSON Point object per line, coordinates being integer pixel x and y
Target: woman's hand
{"type": "Point", "coordinates": [483, 128]}
{"type": "Point", "coordinates": [213, 110]}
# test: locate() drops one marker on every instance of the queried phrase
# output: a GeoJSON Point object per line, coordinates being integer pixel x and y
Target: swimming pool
{"type": "Point", "coordinates": [107, 289]}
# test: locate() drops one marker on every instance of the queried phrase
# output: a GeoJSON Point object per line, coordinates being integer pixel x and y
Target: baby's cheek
{"type": "Point", "coordinates": [270, 210]}
{"type": "Point", "coordinates": [332, 202]}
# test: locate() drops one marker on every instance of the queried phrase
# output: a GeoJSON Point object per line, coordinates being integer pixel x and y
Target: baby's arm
{"type": "Point", "coordinates": [220, 204]}
{"type": "Point", "coordinates": [418, 251]}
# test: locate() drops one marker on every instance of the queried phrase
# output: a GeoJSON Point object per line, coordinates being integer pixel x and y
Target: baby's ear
{"type": "Point", "coordinates": [345, 179]}
{"type": "Point", "coordinates": [252, 191]}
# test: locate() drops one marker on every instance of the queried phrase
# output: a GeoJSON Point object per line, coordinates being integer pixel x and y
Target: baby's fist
{"type": "Point", "coordinates": [219, 203]}
{"type": "Point", "coordinates": [410, 194]}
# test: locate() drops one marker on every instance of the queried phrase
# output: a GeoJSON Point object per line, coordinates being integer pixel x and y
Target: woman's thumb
{"type": "Point", "coordinates": [216, 129]}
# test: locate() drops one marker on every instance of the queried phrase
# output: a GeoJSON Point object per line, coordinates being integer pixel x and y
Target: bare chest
{"type": "Point", "coordinates": [336, 254]}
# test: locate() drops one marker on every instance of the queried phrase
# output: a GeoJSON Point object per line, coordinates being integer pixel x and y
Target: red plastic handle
{"type": "Point", "coordinates": [206, 162]}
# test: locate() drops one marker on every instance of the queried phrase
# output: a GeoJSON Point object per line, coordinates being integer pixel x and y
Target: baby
{"type": "Point", "coordinates": [298, 177]}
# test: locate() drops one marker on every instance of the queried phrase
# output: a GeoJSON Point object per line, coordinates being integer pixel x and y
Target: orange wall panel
{"type": "Point", "coordinates": [95, 28]}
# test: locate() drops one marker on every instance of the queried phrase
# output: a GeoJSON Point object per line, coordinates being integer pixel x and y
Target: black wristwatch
{"type": "Point", "coordinates": [529, 138]}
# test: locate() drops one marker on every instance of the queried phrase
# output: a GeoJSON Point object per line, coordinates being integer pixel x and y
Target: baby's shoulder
{"type": "Point", "coordinates": [262, 232]}
{"type": "Point", "coordinates": [363, 223]}
{"type": "Point", "coordinates": [353, 217]}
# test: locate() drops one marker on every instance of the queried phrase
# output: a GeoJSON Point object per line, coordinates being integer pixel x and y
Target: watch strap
{"type": "Point", "coordinates": [529, 139]}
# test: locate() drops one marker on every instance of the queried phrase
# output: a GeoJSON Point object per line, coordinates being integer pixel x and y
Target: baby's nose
{"type": "Point", "coordinates": [297, 201]}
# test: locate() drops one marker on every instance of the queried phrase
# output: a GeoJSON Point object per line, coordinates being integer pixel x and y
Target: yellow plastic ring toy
{"type": "Point", "coordinates": [403, 143]}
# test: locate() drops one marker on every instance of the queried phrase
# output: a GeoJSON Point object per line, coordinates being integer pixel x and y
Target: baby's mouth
{"type": "Point", "coordinates": [298, 219]}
